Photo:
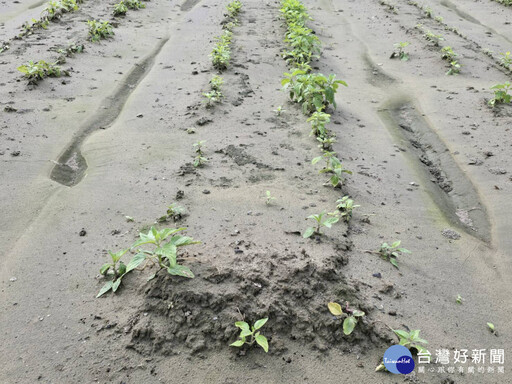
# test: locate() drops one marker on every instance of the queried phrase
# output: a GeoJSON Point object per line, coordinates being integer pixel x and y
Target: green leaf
{"type": "Point", "coordinates": [330, 221]}
{"type": "Point", "coordinates": [349, 324]}
{"type": "Point", "coordinates": [262, 342]}
{"type": "Point", "coordinates": [260, 323]}
{"type": "Point", "coordinates": [401, 334]}
{"type": "Point", "coordinates": [394, 261]}
{"type": "Point", "coordinates": [237, 343]}
{"type": "Point", "coordinates": [107, 287]}
{"type": "Point", "coordinates": [491, 326]}
{"type": "Point", "coordinates": [403, 250]}
{"type": "Point", "coordinates": [115, 284]}
{"type": "Point", "coordinates": [335, 309]}
{"type": "Point", "coordinates": [308, 232]}
{"type": "Point", "coordinates": [180, 270]}
{"type": "Point", "coordinates": [180, 241]}
{"type": "Point", "coordinates": [135, 262]}
{"type": "Point", "coordinates": [104, 268]}
{"type": "Point", "coordinates": [245, 333]}
{"type": "Point", "coordinates": [242, 325]}
{"type": "Point", "coordinates": [358, 313]}
{"type": "Point", "coordinates": [396, 244]}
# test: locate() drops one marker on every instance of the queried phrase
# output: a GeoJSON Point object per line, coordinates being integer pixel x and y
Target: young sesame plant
{"type": "Point", "coordinates": [279, 110]}
{"type": "Point", "coordinates": [391, 252]}
{"type": "Point", "coordinates": [501, 94]}
{"type": "Point", "coordinates": [332, 166]}
{"type": "Point", "coordinates": [506, 60]}
{"type": "Point", "coordinates": [249, 335]}
{"type": "Point", "coordinates": [215, 95]}
{"type": "Point", "coordinates": [35, 71]}
{"type": "Point", "coordinates": [134, 4]}
{"type": "Point", "coordinates": [174, 212]}
{"type": "Point", "coordinates": [351, 316]}
{"type": "Point", "coordinates": [448, 54]}
{"type": "Point", "coordinates": [55, 9]}
{"type": "Point", "coordinates": [120, 9]}
{"type": "Point", "coordinates": [200, 158]}
{"type": "Point", "coordinates": [318, 120]}
{"type": "Point", "coordinates": [233, 9]}
{"type": "Point", "coordinates": [221, 53]}
{"type": "Point", "coordinates": [433, 38]}
{"type": "Point", "coordinates": [411, 340]}
{"type": "Point", "coordinates": [326, 142]}
{"type": "Point", "coordinates": [454, 68]}
{"type": "Point", "coordinates": [346, 206]}
{"type": "Point", "coordinates": [399, 51]}
{"type": "Point", "coordinates": [99, 29]}
{"type": "Point", "coordinates": [492, 328]}
{"type": "Point", "coordinates": [164, 254]}
{"type": "Point", "coordinates": [268, 198]}
{"type": "Point", "coordinates": [71, 50]}
{"type": "Point", "coordinates": [321, 221]}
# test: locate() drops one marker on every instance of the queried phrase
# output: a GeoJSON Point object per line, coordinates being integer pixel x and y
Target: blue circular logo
{"type": "Point", "coordinates": [398, 360]}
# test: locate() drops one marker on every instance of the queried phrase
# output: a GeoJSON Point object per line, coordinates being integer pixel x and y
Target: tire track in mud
{"type": "Point", "coordinates": [71, 165]}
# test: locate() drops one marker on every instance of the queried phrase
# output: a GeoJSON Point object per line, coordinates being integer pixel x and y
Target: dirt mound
{"type": "Point", "coordinates": [291, 289]}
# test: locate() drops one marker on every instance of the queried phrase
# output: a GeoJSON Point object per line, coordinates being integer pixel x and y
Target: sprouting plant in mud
{"type": "Point", "coordinates": [322, 220]}
{"type": "Point", "coordinates": [268, 198]}
{"type": "Point", "coordinates": [439, 19]}
{"type": "Point", "coordinates": [326, 142]}
{"type": "Point", "coordinates": [54, 9]}
{"type": "Point", "coordinates": [200, 158]}
{"type": "Point", "coordinates": [351, 316]}
{"type": "Point", "coordinates": [314, 91]}
{"type": "Point", "coordinates": [454, 68]}
{"type": "Point", "coordinates": [221, 53]}
{"type": "Point", "coordinates": [459, 299]}
{"type": "Point", "coordinates": [411, 340]}
{"type": "Point", "coordinates": [215, 95]}
{"type": "Point", "coordinates": [501, 94]}
{"type": "Point", "coordinates": [234, 8]}
{"type": "Point", "coordinates": [448, 54]}
{"type": "Point", "coordinates": [134, 4]}
{"type": "Point", "coordinates": [433, 38]}
{"type": "Point", "coordinates": [35, 71]}
{"type": "Point", "coordinates": [279, 110]}
{"type": "Point", "coordinates": [99, 29]}
{"type": "Point", "coordinates": [164, 254]}
{"type": "Point", "coordinates": [251, 334]}
{"type": "Point", "coordinates": [318, 121]}
{"type": "Point", "coordinates": [71, 49]}
{"type": "Point", "coordinates": [332, 166]}
{"type": "Point", "coordinates": [391, 252]}
{"type": "Point", "coordinates": [492, 328]}
{"type": "Point", "coordinates": [428, 12]}
{"type": "Point", "coordinates": [174, 212]}
{"type": "Point", "coordinates": [346, 206]}
{"type": "Point", "coordinates": [120, 9]}
{"type": "Point", "coordinates": [506, 60]}
{"type": "Point", "coordinates": [399, 51]}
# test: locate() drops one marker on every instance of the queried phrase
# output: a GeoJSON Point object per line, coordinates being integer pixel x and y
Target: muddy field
{"type": "Point", "coordinates": [91, 159]}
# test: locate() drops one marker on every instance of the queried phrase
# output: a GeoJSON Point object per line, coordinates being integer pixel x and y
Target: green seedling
{"type": "Point", "coordinates": [233, 9]}
{"type": "Point", "coordinates": [351, 316]}
{"type": "Point", "coordinates": [268, 198]}
{"type": "Point", "coordinates": [134, 4]}
{"type": "Point", "coordinates": [200, 158]}
{"type": "Point", "coordinates": [163, 254]}
{"type": "Point", "coordinates": [221, 53]}
{"type": "Point", "coordinates": [279, 110]}
{"type": "Point", "coordinates": [332, 166]}
{"type": "Point", "coordinates": [501, 94]}
{"type": "Point", "coordinates": [71, 50]}
{"type": "Point", "coordinates": [326, 143]}
{"type": "Point", "coordinates": [120, 9]}
{"type": "Point", "coordinates": [216, 83]}
{"type": "Point", "coordinates": [321, 221]}
{"type": "Point", "coordinates": [318, 121]}
{"type": "Point", "coordinates": [99, 29]}
{"type": "Point", "coordinates": [55, 9]}
{"type": "Point", "coordinates": [491, 328]}
{"type": "Point", "coordinates": [400, 51]}
{"type": "Point", "coordinates": [391, 252]}
{"type": "Point", "coordinates": [428, 12]}
{"type": "Point", "coordinates": [439, 19]}
{"type": "Point", "coordinates": [129, 219]}
{"type": "Point", "coordinates": [35, 71]}
{"type": "Point", "coordinates": [215, 95]}
{"type": "Point", "coordinates": [4, 47]}
{"type": "Point", "coordinates": [389, 7]}
{"type": "Point", "coordinates": [249, 335]}
{"type": "Point", "coordinates": [506, 60]}
{"type": "Point", "coordinates": [459, 299]}
{"type": "Point", "coordinates": [411, 340]}
{"type": "Point", "coordinates": [433, 38]}
{"type": "Point", "coordinates": [315, 92]}
{"type": "Point", "coordinates": [346, 206]}
{"type": "Point", "coordinates": [454, 68]}
{"type": "Point", "coordinates": [448, 54]}
{"type": "Point", "coordinates": [174, 212]}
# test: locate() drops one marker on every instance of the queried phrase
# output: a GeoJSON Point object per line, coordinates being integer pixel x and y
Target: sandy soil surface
{"type": "Point", "coordinates": [78, 154]}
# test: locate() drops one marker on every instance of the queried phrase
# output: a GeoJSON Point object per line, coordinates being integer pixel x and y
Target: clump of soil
{"type": "Point", "coordinates": [289, 288]}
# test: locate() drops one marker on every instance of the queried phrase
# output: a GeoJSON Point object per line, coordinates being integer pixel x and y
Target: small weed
{"type": "Point", "coordinates": [351, 316]}
{"type": "Point", "coordinates": [249, 335]}
{"type": "Point", "coordinates": [200, 158]}
{"type": "Point", "coordinates": [411, 340]}
{"type": "Point", "coordinates": [391, 252]}
{"type": "Point", "coordinates": [346, 206]}
{"type": "Point", "coordinates": [99, 29]}
{"type": "Point", "coordinates": [501, 94]}
{"type": "Point", "coordinates": [320, 222]}
{"type": "Point", "coordinates": [268, 198]}
{"type": "Point", "coordinates": [400, 51]}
